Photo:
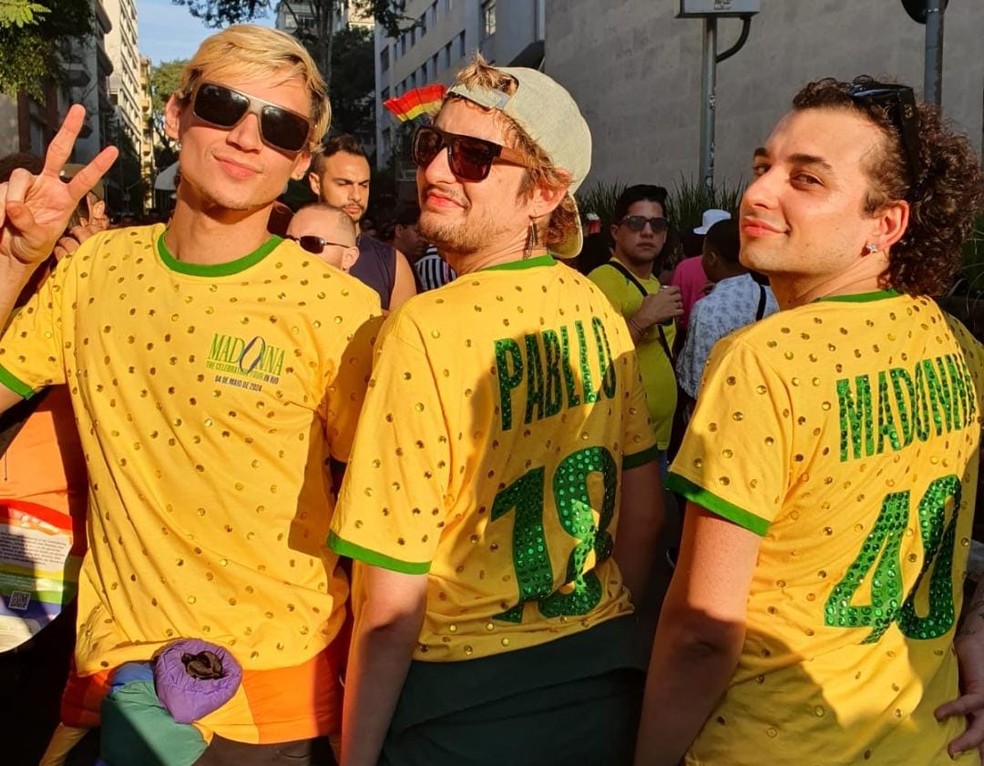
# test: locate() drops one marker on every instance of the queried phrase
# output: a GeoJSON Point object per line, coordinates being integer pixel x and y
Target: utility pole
{"type": "Point", "coordinates": [708, 87]}
{"type": "Point", "coordinates": [930, 13]}
{"type": "Point", "coordinates": [933, 80]}
{"type": "Point", "coordinates": [710, 11]}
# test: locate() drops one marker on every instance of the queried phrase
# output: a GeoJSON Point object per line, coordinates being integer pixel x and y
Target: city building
{"type": "Point", "coordinates": [125, 84]}
{"type": "Point", "coordinates": [28, 125]}
{"type": "Point", "coordinates": [635, 70]}
{"type": "Point", "coordinates": [292, 15]}
{"type": "Point", "coordinates": [444, 34]}
{"type": "Point", "coordinates": [147, 166]}
{"type": "Point", "coordinates": [126, 88]}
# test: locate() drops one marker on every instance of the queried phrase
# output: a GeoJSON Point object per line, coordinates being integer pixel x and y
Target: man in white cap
{"type": "Point", "coordinates": [500, 502]}
{"type": "Point", "coordinates": [739, 298]}
{"type": "Point", "coordinates": [689, 274]}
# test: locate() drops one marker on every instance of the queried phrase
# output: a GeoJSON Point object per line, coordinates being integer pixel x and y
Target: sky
{"type": "Point", "coordinates": [166, 31]}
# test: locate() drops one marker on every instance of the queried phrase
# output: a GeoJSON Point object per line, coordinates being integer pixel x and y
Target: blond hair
{"type": "Point", "coordinates": [253, 52]}
{"type": "Point", "coordinates": [478, 74]}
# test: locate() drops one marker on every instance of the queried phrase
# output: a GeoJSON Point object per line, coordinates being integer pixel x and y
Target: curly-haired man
{"type": "Point", "coordinates": [831, 462]}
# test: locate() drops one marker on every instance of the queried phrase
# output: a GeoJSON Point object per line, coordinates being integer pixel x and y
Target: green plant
{"type": "Point", "coordinates": [973, 258]}
{"type": "Point", "coordinates": [600, 199]}
{"type": "Point", "coordinates": [690, 198]}
{"type": "Point", "coordinates": [965, 300]}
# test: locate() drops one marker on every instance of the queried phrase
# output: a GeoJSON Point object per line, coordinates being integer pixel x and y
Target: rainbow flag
{"type": "Point", "coordinates": [414, 103]}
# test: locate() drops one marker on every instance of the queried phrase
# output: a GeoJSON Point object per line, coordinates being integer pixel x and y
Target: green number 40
{"type": "Point", "coordinates": [880, 556]}
{"type": "Point", "coordinates": [531, 557]}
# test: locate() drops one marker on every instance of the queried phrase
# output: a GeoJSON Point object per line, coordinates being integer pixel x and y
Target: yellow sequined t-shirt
{"type": "Point", "coordinates": [658, 377]}
{"type": "Point", "coordinates": [501, 412]}
{"type": "Point", "coordinates": [207, 398]}
{"type": "Point", "coordinates": [846, 433]}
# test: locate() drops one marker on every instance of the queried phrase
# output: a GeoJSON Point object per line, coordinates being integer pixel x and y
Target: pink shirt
{"type": "Point", "coordinates": [689, 276]}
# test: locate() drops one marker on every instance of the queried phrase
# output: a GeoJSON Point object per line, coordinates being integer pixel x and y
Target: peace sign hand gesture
{"type": "Point", "coordinates": [35, 210]}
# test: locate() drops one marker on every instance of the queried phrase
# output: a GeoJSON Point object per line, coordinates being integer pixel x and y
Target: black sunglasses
{"type": "Point", "coordinates": [899, 103]}
{"type": "Point", "coordinates": [469, 158]}
{"type": "Point", "coordinates": [637, 223]}
{"type": "Point", "coordinates": [224, 107]}
{"type": "Point", "coordinates": [314, 245]}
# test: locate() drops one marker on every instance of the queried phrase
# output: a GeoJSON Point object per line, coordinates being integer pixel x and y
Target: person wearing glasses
{"type": "Point", "coordinates": [326, 232]}
{"type": "Point", "coordinates": [339, 176]}
{"type": "Point", "coordinates": [639, 234]}
{"type": "Point", "coordinates": [498, 503]}
{"type": "Point", "coordinates": [212, 368]}
{"type": "Point", "coordinates": [831, 462]}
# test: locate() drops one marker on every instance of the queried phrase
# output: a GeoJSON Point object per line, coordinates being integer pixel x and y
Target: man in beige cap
{"type": "Point", "coordinates": [499, 502]}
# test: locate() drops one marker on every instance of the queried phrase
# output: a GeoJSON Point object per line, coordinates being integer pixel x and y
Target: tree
{"type": "Point", "coordinates": [353, 83]}
{"type": "Point", "coordinates": [164, 80]}
{"type": "Point", "coordinates": [320, 32]}
{"type": "Point", "coordinates": [33, 42]}
{"type": "Point", "coordinates": [20, 12]}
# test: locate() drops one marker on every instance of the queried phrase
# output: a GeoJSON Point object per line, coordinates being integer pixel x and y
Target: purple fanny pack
{"type": "Point", "coordinates": [193, 677]}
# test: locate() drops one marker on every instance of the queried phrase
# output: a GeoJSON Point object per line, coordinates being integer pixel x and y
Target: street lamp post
{"type": "Point", "coordinates": [930, 13]}
{"type": "Point", "coordinates": [710, 11]}
{"type": "Point", "coordinates": [933, 82]}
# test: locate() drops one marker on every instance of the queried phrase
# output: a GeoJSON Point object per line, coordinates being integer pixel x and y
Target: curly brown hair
{"type": "Point", "coordinates": [944, 194]}
{"type": "Point", "coordinates": [540, 171]}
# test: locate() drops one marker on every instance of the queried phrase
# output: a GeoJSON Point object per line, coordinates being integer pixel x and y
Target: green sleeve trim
{"type": "Point", "coordinates": [528, 263]}
{"type": "Point", "coordinates": [20, 388]}
{"type": "Point", "coordinates": [877, 295]}
{"type": "Point", "coordinates": [366, 556]}
{"type": "Point", "coordinates": [216, 269]}
{"type": "Point", "coordinates": [676, 483]}
{"type": "Point", "coordinates": [640, 458]}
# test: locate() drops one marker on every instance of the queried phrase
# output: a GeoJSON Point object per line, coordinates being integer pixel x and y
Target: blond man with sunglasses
{"type": "Point", "coordinates": [831, 462]}
{"type": "Point", "coordinates": [499, 502]}
{"type": "Point", "coordinates": [212, 367]}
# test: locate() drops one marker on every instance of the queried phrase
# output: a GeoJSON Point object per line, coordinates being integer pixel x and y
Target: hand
{"type": "Point", "coordinates": [970, 653]}
{"type": "Point", "coordinates": [74, 237]}
{"type": "Point", "coordinates": [659, 307]}
{"type": "Point", "coordinates": [35, 210]}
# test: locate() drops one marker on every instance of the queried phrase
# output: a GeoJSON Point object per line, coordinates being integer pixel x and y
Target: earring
{"type": "Point", "coordinates": [871, 247]}
{"type": "Point", "coordinates": [531, 240]}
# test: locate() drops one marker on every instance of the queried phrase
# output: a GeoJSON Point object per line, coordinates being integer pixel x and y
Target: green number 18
{"type": "Point", "coordinates": [531, 558]}
{"type": "Point", "coordinates": [880, 556]}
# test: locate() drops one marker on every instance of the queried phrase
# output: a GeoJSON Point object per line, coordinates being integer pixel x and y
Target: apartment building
{"type": "Point", "coordinates": [125, 84]}
{"type": "Point", "coordinates": [28, 125]}
{"type": "Point", "coordinates": [147, 167]}
{"type": "Point", "coordinates": [292, 15]}
{"type": "Point", "coordinates": [444, 34]}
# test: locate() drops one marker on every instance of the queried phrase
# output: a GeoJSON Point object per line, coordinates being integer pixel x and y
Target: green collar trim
{"type": "Point", "coordinates": [216, 269]}
{"type": "Point", "coordinates": [529, 263]}
{"type": "Point", "coordinates": [878, 295]}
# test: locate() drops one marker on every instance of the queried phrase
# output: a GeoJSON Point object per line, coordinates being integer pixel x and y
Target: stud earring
{"type": "Point", "coordinates": [871, 247]}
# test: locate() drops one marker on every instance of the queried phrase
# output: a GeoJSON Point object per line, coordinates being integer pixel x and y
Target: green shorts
{"type": "Point", "coordinates": [574, 700]}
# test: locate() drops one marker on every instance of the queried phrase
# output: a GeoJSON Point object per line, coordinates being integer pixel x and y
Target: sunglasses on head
{"type": "Point", "coordinates": [224, 107]}
{"type": "Point", "coordinates": [637, 223]}
{"type": "Point", "coordinates": [312, 244]}
{"type": "Point", "coordinates": [900, 104]}
{"type": "Point", "coordinates": [469, 158]}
